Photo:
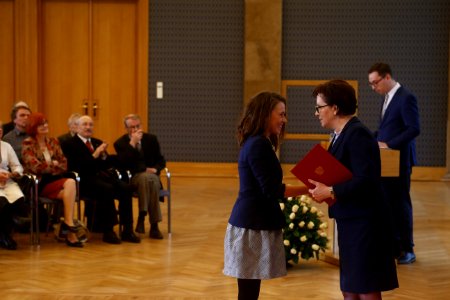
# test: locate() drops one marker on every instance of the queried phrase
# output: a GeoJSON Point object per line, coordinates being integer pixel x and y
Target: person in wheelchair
{"type": "Point", "coordinates": [43, 157]}
{"type": "Point", "coordinates": [10, 192]}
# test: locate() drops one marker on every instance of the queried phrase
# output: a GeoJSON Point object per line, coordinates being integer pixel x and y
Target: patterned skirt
{"type": "Point", "coordinates": [254, 254]}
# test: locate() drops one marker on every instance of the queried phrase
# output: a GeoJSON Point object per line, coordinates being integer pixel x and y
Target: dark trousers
{"type": "Point", "coordinates": [101, 192]}
{"type": "Point", "coordinates": [8, 211]}
{"type": "Point", "coordinates": [396, 190]}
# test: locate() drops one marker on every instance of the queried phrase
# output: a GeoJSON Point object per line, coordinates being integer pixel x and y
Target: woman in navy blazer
{"type": "Point", "coordinates": [253, 245]}
{"type": "Point", "coordinates": [363, 217]}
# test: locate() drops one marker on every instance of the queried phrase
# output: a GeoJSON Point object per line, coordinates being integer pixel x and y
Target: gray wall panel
{"type": "Point", "coordinates": [342, 39]}
{"type": "Point", "coordinates": [196, 50]}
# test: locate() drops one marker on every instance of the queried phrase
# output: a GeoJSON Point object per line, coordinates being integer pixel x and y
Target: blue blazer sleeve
{"type": "Point", "coordinates": [359, 152]}
{"type": "Point", "coordinates": [260, 175]}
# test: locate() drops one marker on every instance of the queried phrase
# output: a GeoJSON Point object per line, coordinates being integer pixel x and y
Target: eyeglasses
{"type": "Point", "coordinates": [318, 107]}
{"type": "Point", "coordinates": [134, 127]}
{"type": "Point", "coordinates": [376, 82]}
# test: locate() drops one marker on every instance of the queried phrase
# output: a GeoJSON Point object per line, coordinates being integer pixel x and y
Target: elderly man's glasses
{"type": "Point", "coordinates": [318, 107]}
{"type": "Point", "coordinates": [376, 82]}
{"type": "Point", "coordinates": [134, 127]}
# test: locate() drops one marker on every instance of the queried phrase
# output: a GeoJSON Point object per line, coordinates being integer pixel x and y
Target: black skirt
{"type": "Point", "coordinates": [366, 256]}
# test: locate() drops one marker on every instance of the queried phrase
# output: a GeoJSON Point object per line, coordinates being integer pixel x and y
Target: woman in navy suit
{"type": "Point", "coordinates": [254, 247]}
{"type": "Point", "coordinates": [363, 217]}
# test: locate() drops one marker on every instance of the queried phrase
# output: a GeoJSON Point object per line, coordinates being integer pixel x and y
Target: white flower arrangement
{"type": "Point", "coordinates": [304, 234]}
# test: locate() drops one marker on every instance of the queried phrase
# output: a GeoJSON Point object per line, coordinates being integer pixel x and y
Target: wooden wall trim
{"type": "Point", "coordinates": [226, 170]}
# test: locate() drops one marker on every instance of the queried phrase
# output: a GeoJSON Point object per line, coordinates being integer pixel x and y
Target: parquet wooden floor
{"type": "Point", "coordinates": [188, 265]}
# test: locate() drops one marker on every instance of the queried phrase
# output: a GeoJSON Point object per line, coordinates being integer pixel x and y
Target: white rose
{"type": "Point", "coordinates": [313, 209]}
{"type": "Point", "coordinates": [303, 238]}
{"type": "Point", "coordinates": [293, 251]}
{"type": "Point", "coordinates": [311, 225]}
{"type": "Point", "coordinates": [286, 242]}
{"type": "Point", "coordinates": [289, 199]}
{"type": "Point", "coordinates": [295, 208]}
{"type": "Point", "coordinates": [315, 247]}
{"type": "Point", "coordinates": [291, 225]}
{"type": "Point", "coordinates": [320, 214]}
{"type": "Point", "coordinates": [303, 198]}
{"type": "Point", "coordinates": [292, 216]}
{"type": "Point", "coordinates": [301, 224]}
{"type": "Point", "coordinates": [305, 209]}
{"type": "Point", "coordinates": [323, 225]}
{"type": "Point", "coordinates": [323, 234]}
{"type": "Point", "coordinates": [282, 206]}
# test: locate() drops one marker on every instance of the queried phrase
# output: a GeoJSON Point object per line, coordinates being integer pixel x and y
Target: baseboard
{"type": "Point", "coordinates": [212, 169]}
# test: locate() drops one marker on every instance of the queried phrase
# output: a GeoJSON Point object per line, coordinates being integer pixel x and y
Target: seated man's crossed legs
{"type": "Point", "coordinates": [147, 185]}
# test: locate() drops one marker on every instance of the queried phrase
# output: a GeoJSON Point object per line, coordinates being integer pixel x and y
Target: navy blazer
{"type": "Point", "coordinates": [136, 161]}
{"type": "Point", "coordinates": [400, 126]}
{"type": "Point", "coordinates": [357, 149]}
{"type": "Point", "coordinates": [260, 176]}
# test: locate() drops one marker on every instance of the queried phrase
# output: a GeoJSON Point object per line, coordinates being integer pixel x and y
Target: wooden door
{"type": "Point", "coordinates": [92, 63]}
{"type": "Point", "coordinates": [6, 59]}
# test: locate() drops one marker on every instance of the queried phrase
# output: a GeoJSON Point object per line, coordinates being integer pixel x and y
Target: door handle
{"type": "Point", "coordinates": [85, 107]}
{"type": "Point", "coordinates": [94, 109]}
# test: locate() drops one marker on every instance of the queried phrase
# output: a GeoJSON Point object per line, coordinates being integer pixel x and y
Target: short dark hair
{"type": "Point", "coordinates": [340, 93]}
{"type": "Point", "coordinates": [382, 69]}
{"type": "Point", "coordinates": [257, 115]}
{"type": "Point", "coordinates": [16, 109]}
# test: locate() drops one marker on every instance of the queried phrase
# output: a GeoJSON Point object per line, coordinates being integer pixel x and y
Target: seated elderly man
{"type": "Point", "coordinates": [140, 153]}
{"type": "Point", "coordinates": [72, 124]}
{"type": "Point", "coordinates": [15, 137]}
{"type": "Point", "coordinates": [7, 127]}
{"type": "Point", "coordinates": [87, 156]}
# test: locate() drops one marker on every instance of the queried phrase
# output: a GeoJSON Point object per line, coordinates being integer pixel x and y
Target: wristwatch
{"type": "Point", "coordinates": [331, 192]}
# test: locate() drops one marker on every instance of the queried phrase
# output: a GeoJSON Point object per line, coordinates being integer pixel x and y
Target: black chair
{"type": "Point", "coordinates": [53, 207]}
{"type": "Point", "coordinates": [164, 193]}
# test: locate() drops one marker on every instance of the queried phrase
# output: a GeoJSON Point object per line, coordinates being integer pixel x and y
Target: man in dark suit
{"type": "Point", "coordinates": [87, 156]}
{"type": "Point", "coordinates": [398, 128]}
{"type": "Point", "coordinates": [140, 153]}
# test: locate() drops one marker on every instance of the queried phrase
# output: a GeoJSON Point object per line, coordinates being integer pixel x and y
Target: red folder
{"type": "Point", "coordinates": [319, 165]}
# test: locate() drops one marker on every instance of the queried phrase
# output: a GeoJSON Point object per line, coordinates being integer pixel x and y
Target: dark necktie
{"type": "Point", "coordinates": [89, 145]}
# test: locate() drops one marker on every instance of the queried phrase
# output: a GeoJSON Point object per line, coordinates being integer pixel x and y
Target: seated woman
{"type": "Point", "coordinates": [43, 157]}
{"type": "Point", "coordinates": [10, 192]}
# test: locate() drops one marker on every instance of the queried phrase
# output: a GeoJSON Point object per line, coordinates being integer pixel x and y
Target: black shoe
{"type": "Point", "coordinates": [76, 244]}
{"type": "Point", "coordinates": [64, 231]}
{"type": "Point", "coordinates": [129, 236]}
{"type": "Point", "coordinates": [110, 237]}
{"type": "Point", "coordinates": [7, 242]}
{"type": "Point", "coordinates": [140, 227]}
{"type": "Point", "coordinates": [155, 233]}
{"type": "Point", "coordinates": [406, 258]}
